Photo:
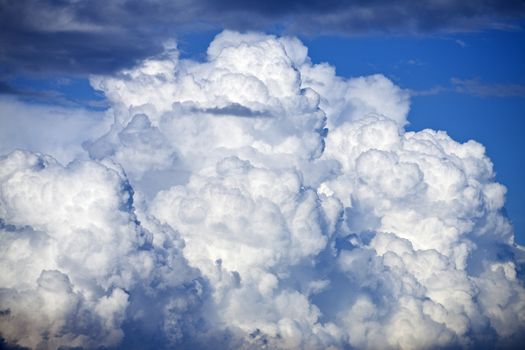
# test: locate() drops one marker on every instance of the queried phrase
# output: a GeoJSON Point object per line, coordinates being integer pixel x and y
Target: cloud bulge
{"type": "Point", "coordinates": [256, 200]}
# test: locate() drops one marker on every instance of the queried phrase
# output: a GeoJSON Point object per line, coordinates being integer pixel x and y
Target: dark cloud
{"type": "Point", "coordinates": [6, 89]}
{"type": "Point", "coordinates": [77, 36]}
{"type": "Point", "coordinates": [50, 96]}
{"type": "Point", "coordinates": [233, 109]}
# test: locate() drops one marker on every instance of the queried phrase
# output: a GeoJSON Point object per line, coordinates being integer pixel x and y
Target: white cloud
{"type": "Point", "coordinates": [54, 130]}
{"type": "Point", "coordinates": [72, 252]}
{"type": "Point", "coordinates": [254, 226]}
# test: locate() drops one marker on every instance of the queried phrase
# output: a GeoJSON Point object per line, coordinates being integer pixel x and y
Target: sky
{"type": "Point", "coordinates": [245, 174]}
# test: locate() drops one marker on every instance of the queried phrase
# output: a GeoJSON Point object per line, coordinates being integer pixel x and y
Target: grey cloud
{"type": "Point", "coordinates": [6, 89]}
{"type": "Point", "coordinates": [234, 109]}
{"type": "Point", "coordinates": [478, 88]}
{"type": "Point", "coordinates": [99, 36]}
{"type": "Point", "coordinates": [474, 87]}
{"type": "Point", "coordinates": [50, 97]}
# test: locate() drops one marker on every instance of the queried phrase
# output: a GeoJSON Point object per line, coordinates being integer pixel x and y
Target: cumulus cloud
{"type": "Point", "coordinates": [74, 253]}
{"type": "Point", "coordinates": [257, 200]}
{"type": "Point", "coordinates": [98, 36]}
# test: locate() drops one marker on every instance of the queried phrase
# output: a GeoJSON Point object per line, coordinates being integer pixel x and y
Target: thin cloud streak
{"type": "Point", "coordinates": [474, 87]}
{"type": "Point", "coordinates": [478, 88]}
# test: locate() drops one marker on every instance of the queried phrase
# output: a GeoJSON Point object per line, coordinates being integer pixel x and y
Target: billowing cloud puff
{"type": "Point", "coordinates": [73, 251]}
{"type": "Point", "coordinates": [257, 200]}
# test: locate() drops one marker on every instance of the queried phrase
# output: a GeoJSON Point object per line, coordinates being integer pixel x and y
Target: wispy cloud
{"type": "Point", "coordinates": [52, 128]}
{"type": "Point", "coordinates": [52, 95]}
{"type": "Point", "coordinates": [474, 87]}
{"type": "Point", "coordinates": [6, 89]}
{"type": "Point", "coordinates": [461, 43]}
{"type": "Point", "coordinates": [479, 88]}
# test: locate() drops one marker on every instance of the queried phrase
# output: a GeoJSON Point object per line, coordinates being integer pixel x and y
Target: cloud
{"type": "Point", "coordinates": [51, 129]}
{"type": "Point", "coordinates": [478, 88]}
{"type": "Point", "coordinates": [75, 256]}
{"type": "Point", "coordinates": [461, 43]}
{"type": "Point", "coordinates": [474, 87]}
{"type": "Point", "coordinates": [6, 89]}
{"type": "Point", "coordinates": [64, 249]}
{"type": "Point", "coordinates": [101, 37]}
{"type": "Point", "coordinates": [257, 200]}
